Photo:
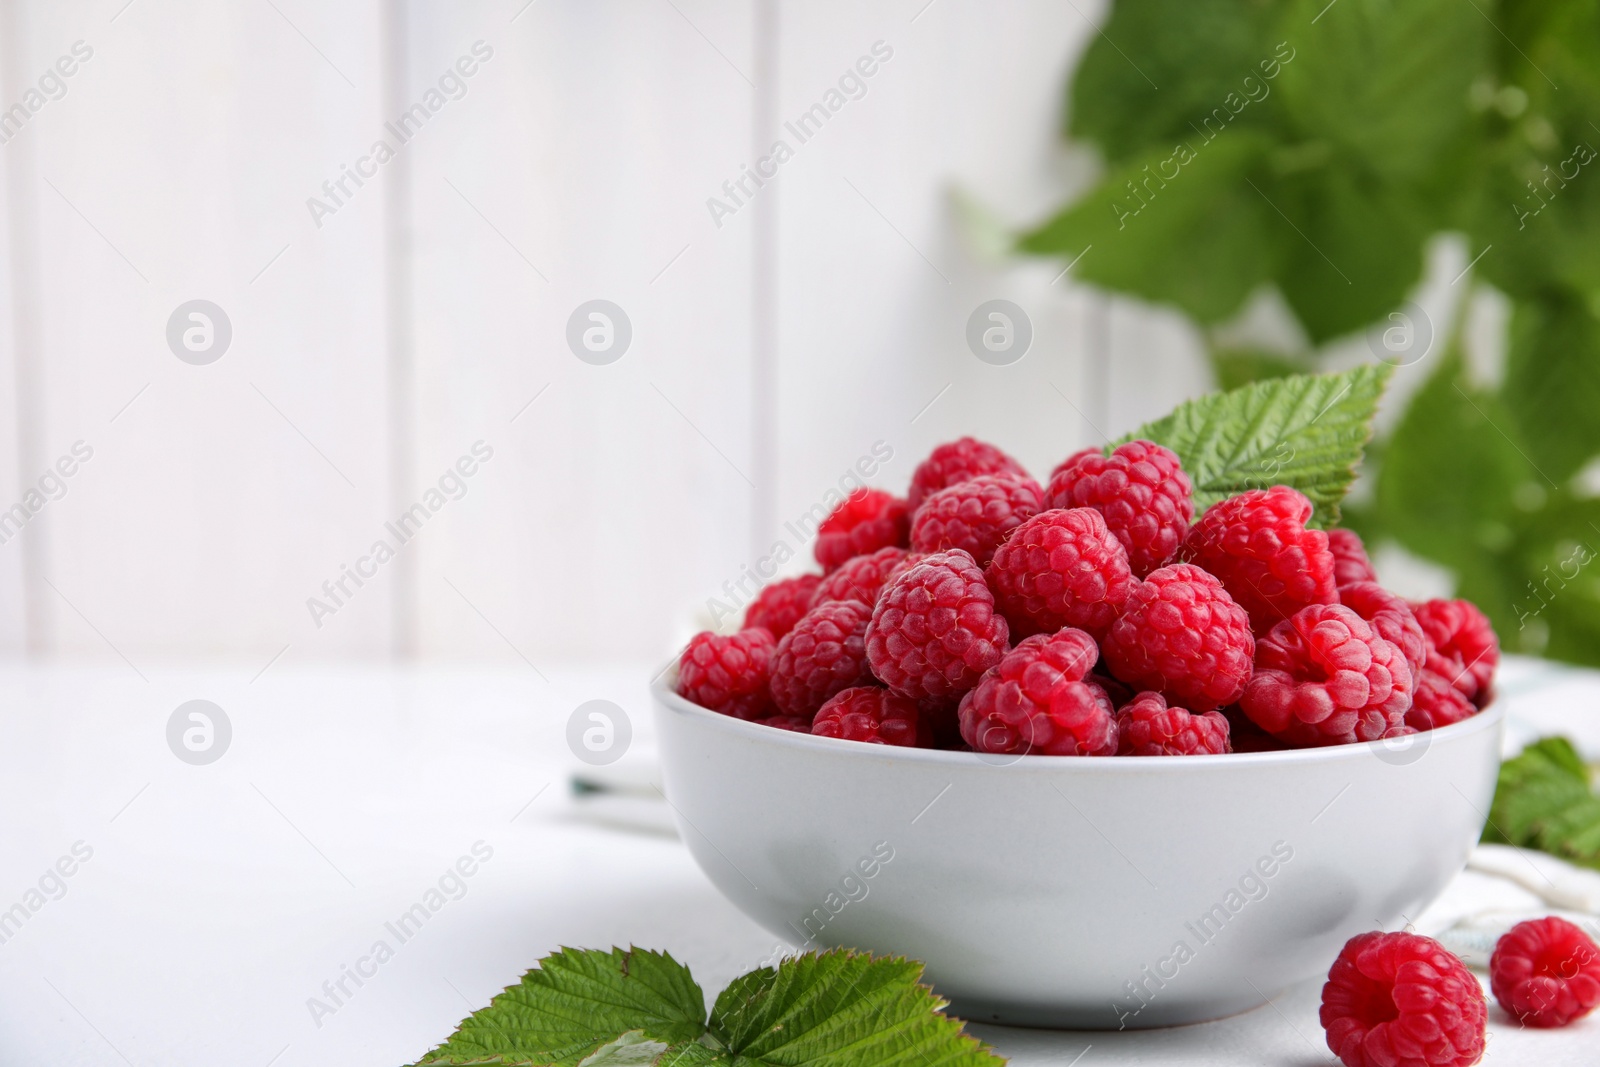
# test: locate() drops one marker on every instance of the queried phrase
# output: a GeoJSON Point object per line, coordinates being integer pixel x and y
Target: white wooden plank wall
{"type": "Point", "coordinates": [177, 167]}
{"type": "Point", "coordinates": [591, 145]}
{"type": "Point", "coordinates": [424, 309]}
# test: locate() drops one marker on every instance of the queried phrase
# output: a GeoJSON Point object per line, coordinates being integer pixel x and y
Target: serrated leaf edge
{"type": "Point", "coordinates": [1302, 386]}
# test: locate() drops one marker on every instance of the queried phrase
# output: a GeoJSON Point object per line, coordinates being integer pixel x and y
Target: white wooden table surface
{"type": "Point", "coordinates": [217, 899]}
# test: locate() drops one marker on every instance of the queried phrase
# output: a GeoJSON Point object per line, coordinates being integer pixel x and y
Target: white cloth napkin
{"type": "Point", "coordinates": [1503, 886]}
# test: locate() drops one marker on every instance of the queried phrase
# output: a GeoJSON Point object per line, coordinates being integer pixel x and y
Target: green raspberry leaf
{"type": "Point", "coordinates": [1543, 800]}
{"type": "Point", "coordinates": [841, 1009]}
{"type": "Point", "coordinates": [1179, 225]}
{"type": "Point", "coordinates": [1386, 82]}
{"type": "Point", "coordinates": [1450, 474]}
{"type": "Point", "coordinates": [1308, 431]}
{"type": "Point", "coordinates": [1160, 68]}
{"type": "Point", "coordinates": [574, 1003]}
{"type": "Point", "coordinates": [634, 1049]}
{"type": "Point", "coordinates": [1552, 382]}
{"type": "Point", "coordinates": [642, 1009]}
{"type": "Point", "coordinates": [1354, 249]}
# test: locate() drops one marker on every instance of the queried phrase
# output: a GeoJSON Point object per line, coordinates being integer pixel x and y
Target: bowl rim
{"type": "Point", "coordinates": [1489, 718]}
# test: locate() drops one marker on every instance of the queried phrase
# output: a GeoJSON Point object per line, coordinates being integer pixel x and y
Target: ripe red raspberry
{"type": "Point", "coordinates": [1148, 727]}
{"type": "Point", "coordinates": [1462, 644]}
{"type": "Point", "coordinates": [909, 560]}
{"type": "Point", "coordinates": [869, 519]}
{"type": "Point", "coordinates": [875, 715]}
{"type": "Point", "coordinates": [1435, 702]}
{"type": "Point", "coordinates": [1324, 678]}
{"type": "Point", "coordinates": [1350, 562]}
{"type": "Point", "coordinates": [1061, 568]}
{"type": "Point", "coordinates": [1402, 1000]}
{"type": "Point", "coordinates": [935, 629]}
{"type": "Point", "coordinates": [860, 577]}
{"type": "Point", "coordinates": [1183, 636]}
{"type": "Point", "coordinates": [1390, 617]}
{"type": "Point", "coordinates": [1257, 543]}
{"type": "Point", "coordinates": [824, 653]}
{"type": "Point", "coordinates": [728, 674]}
{"type": "Point", "coordinates": [1142, 491]}
{"type": "Point", "coordinates": [797, 724]}
{"type": "Point", "coordinates": [779, 606]}
{"type": "Point", "coordinates": [977, 515]}
{"type": "Point", "coordinates": [956, 462]}
{"type": "Point", "coordinates": [1035, 700]}
{"type": "Point", "coordinates": [1546, 972]}
{"type": "Point", "coordinates": [1070, 460]}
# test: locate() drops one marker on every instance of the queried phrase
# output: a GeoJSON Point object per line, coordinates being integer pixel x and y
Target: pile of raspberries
{"type": "Point", "coordinates": [1401, 998]}
{"type": "Point", "coordinates": [1092, 616]}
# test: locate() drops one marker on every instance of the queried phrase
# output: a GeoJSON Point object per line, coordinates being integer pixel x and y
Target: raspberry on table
{"type": "Point", "coordinates": [956, 462]}
{"type": "Point", "coordinates": [1324, 678]}
{"type": "Point", "coordinates": [1435, 702]}
{"type": "Point", "coordinates": [1147, 726]}
{"type": "Point", "coordinates": [1403, 999]}
{"type": "Point", "coordinates": [728, 674]}
{"type": "Point", "coordinates": [975, 515]}
{"type": "Point", "coordinates": [1061, 568]}
{"type": "Point", "coordinates": [824, 653]}
{"type": "Point", "coordinates": [1350, 562]}
{"type": "Point", "coordinates": [1390, 617]}
{"type": "Point", "coordinates": [1462, 646]}
{"type": "Point", "coordinates": [1183, 636]}
{"type": "Point", "coordinates": [872, 714]}
{"type": "Point", "coordinates": [860, 577]}
{"type": "Point", "coordinates": [1546, 972]}
{"type": "Point", "coordinates": [1141, 490]}
{"type": "Point", "coordinates": [1036, 700]}
{"type": "Point", "coordinates": [935, 629]}
{"type": "Point", "coordinates": [780, 604]}
{"type": "Point", "coordinates": [1258, 545]}
{"type": "Point", "coordinates": [869, 519]}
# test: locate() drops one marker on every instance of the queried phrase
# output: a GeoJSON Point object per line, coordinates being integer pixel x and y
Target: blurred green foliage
{"type": "Point", "coordinates": [1316, 147]}
{"type": "Point", "coordinates": [1543, 800]}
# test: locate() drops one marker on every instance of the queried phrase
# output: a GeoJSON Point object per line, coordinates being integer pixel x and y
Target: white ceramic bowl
{"type": "Point", "coordinates": [1090, 893]}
